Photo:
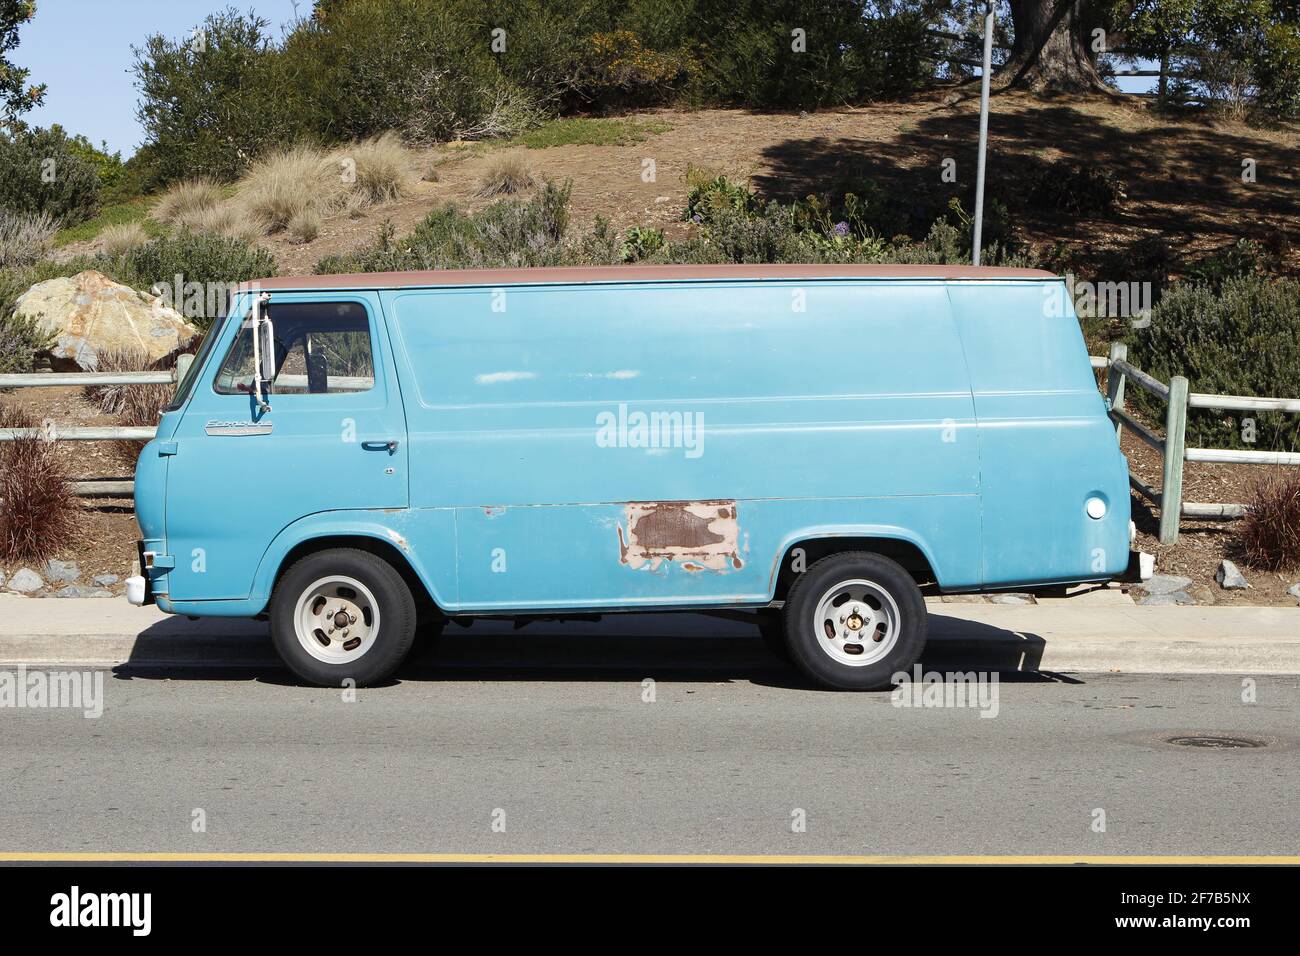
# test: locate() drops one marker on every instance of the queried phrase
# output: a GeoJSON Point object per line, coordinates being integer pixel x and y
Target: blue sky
{"type": "Point", "coordinates": [81, 49]}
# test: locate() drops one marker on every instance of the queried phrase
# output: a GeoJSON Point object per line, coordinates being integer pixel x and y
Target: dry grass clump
{"type": "Point", "coordinates": [139, 405]}
{"type": "Point", "coordinates": [122, 238]}
{"type": "Point", "coordinates": [228, 221]}
{"type": "Point", "coordinates": [133, 404]}
{"type": "Point", "coordinates": [38, 511]}
{"type": "Point", "coordinates": [285, 184]}
{"type": "Point", "coordinates": [296, 188]}
{"type": "Point", "coordinates": [109, 397]}
{"type": "Point", "coordinates": [505, 176]}
{"type": "Point", "coordinates": [24, 237]}
{"type": "Point", "coordinates": [381, 167]}
{"type": "Point", "coordinates": [1269, 535]}
{"type": "Point", "coordinates": [293, 190]}
{"type": "Point", "coordinates": [182, 202]}
{"type": "Point", "coordinates": [304, 226]}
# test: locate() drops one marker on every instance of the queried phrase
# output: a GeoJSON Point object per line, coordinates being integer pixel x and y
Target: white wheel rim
{"type": "Point", "coordinates": [856, 623]}
{"type": "Point", "coordinates": [336, 619]}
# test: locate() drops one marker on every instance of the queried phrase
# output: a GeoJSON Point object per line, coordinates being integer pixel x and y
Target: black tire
{"type": "Point", "coordinates": [819, 657]}
{"type": "Point", "coordinates": [771, 628]}
{"type": "Point", "coordinates": [394, 631]}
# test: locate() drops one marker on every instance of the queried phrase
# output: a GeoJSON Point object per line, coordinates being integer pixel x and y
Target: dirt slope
{"type": "Point", "coordinates": [1182, 177]}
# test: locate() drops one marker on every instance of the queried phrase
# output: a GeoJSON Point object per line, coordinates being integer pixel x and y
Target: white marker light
{"type": "Point", "coordinates": [1096, 508]}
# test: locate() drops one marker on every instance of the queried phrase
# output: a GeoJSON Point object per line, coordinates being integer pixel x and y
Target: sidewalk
{"type": "Point", "coordinates": [1056, 636]}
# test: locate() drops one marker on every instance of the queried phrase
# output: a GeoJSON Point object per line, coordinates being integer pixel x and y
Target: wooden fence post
{"type": "Point", "coordinates": [1115, 382]}
{"type": "Point", "coordinates": [1171, 491]}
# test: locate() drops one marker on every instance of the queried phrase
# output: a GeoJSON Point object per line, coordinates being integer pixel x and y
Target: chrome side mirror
{"type": "Point", "coordinates": [263, 351]}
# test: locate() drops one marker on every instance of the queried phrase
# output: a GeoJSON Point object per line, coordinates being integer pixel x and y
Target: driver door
{"type": "Point", "coordinates": [333, 439]}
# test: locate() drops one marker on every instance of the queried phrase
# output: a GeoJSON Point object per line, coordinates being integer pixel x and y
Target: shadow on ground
{"type": "Point", "coordinates": [681, 648]}
{"type": "Point", "coordinates": [1180, 181]}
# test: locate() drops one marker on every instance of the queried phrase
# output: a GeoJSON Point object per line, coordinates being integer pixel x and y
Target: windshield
{"type": "Point", "coordinates": [186, 384]}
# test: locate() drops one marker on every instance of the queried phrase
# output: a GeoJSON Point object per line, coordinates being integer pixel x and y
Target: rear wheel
{"type": "Point", "coordinates": [342, 614]}
{"type": "Point", "coordinates": [853, 620]}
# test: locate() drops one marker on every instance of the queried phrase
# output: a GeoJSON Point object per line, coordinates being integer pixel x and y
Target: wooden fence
{"type": "Point", "coordinates": [53, 432]}
{"type": "Point", "coordinates": [1172, 446]}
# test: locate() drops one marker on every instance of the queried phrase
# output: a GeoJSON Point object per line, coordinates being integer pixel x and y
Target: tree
{"type": "Point", "coordinates": [16, 97]}
{"type": "Point", "coordinates": [212, 100]}
{"type": "Point", "coordinates": [1238, 54]}
{"type": "Point", "coordinates": [1054, 46]}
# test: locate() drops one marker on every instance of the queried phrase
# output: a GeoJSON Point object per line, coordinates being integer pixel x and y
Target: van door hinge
{"type": "Point", "coordinates": [166, 448]}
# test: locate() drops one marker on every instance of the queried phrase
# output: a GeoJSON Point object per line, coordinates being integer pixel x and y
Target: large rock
{"type": "Point", "coordinates": [25, 581]}
{"type": "Point", "coordinates": [90, 313]}
{"type": "Point", "coordinates": [62, 571]}
{"type": "Point", "coordinates": [1164, 584]}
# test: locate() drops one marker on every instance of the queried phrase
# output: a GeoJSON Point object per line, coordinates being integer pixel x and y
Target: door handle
{"type": "Point", "coordinates": [389, 444]}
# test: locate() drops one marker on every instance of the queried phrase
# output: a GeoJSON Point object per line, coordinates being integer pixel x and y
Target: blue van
{"type": "Point", "coordinates": [355, 458]}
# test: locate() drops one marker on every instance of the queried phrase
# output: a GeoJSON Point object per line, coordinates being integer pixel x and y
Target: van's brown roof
{"type": "Point", "coordinates": [398, 280]}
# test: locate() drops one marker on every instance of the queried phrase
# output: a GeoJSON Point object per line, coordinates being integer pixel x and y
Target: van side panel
{"type": "Point", "coordinates": [639, 444]}
{"type": "Point", "coordinates": [1046, 443]}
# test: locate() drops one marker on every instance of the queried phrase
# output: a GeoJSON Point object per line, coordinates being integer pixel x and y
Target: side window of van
{"type": "Point", "coordinates": [320, 348]}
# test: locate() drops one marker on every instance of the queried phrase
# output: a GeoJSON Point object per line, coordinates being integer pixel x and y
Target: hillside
{"type": "Point", "coordinates": [1181, 178]}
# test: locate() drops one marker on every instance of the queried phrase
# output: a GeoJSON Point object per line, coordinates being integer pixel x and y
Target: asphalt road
{"type": "Point", "coordinates": [721, 761]}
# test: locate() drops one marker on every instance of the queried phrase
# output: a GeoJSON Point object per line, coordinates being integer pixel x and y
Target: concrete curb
{"type": "Point", "coordinates": [1056, 637]}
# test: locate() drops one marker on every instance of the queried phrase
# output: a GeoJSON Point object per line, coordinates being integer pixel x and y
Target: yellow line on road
{"type": "Point", "coordinates": [632, 858]}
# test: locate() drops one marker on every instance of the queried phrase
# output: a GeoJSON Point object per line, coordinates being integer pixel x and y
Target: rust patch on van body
{"type": "Point", "coordinates": [700, 535]}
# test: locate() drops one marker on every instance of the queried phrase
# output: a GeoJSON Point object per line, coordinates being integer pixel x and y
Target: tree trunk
{"type": "Point", "coordinates": [1053, 47]}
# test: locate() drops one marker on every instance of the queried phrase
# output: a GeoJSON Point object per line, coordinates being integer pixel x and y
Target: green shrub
{"type": "Point", "coordinates": [771, 235]}
{"type": "Point", "coordinates": [1146, 259]}
{"type": "Point", "coordinates": [747, 53]}
{"type": "Point", "coordinates": [212, 100]}
{"type": "Point", "coordinates": [1243, 339]}
{"type": "Point", "coordinates": [108, 166]}
{"type": "Point", "coordinates": [506, 234]}
{"type": "Point", "coordinates": [208, 261]}
{"type": "Point", "coordinates": [20, 339]}
{"type": "Point", "coordinates": [950, 245]}
{"type": "Point", "coordinates": [41, 171]}
{"type": "Point", "coordinates": [616, 68]}
{"type": "Point", "coordinates": [1076, 189]}
{"type": "Point", "coordinates": [641, 242]}
{"type": "Point", "coordinates": [739, 228]}
{"type": "Point", "coordinates": [1245, 257]}
{"type": "Point", "coordinates": [711, 195]}
{"type": "Point", "coordinates": [425, 66]}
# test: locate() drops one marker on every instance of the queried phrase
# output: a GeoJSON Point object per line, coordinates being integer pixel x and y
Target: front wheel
{"type": "Point", "coordinates": [854, 620]}
{"type": "Point", "coordinates": [340, 615]}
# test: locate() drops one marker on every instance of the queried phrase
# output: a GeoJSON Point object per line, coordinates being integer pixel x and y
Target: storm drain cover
{"type": "Point", "coordinates": [1215, 741]}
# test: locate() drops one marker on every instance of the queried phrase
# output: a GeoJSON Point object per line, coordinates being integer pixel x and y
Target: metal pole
{"type": "Point", "coordinates": [984, 128]}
